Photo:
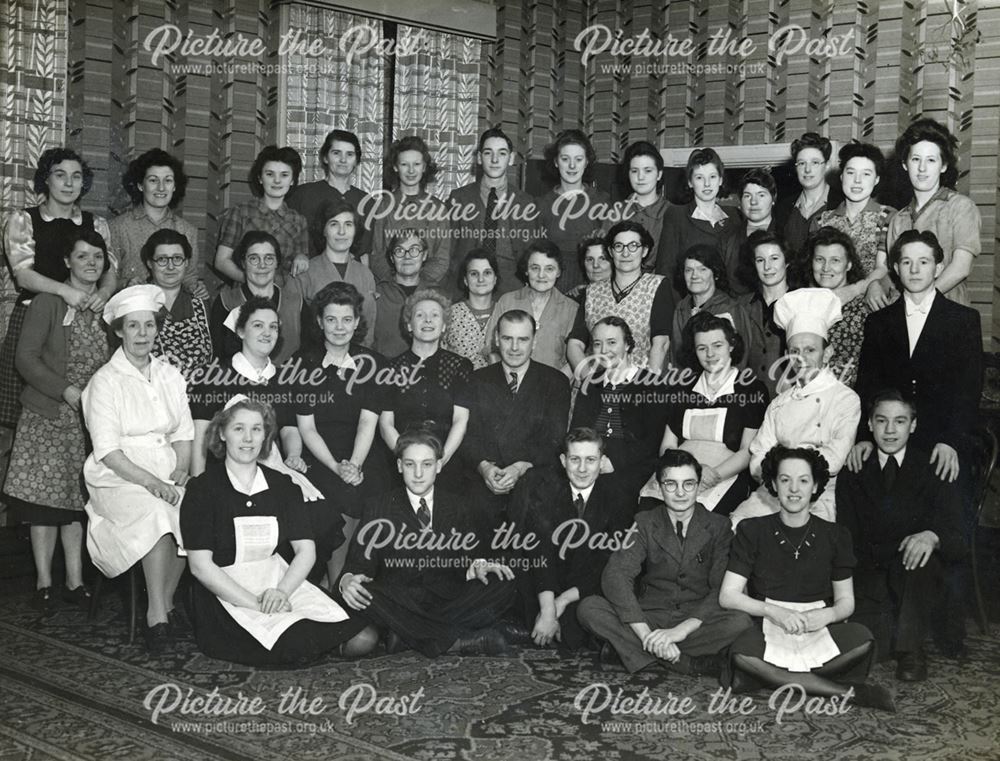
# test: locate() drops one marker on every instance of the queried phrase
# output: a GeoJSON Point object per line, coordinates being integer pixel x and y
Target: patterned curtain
{"type": "Point", "coordinates": [32, 92]}
{"type": "Point", "coordinates": [329, 92]}
{"type": "Point", "coordinates": [437, 92]}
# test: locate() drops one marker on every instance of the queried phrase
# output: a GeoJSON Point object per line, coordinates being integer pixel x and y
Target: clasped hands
{"type": "Point", "coordinates": [501, 480]}
{"type": "Point", "coordinates": [274, 601]}
{"type": "Point", "coordinates": [663, 643]}
{"type": "Point", "coordinates": [794, 621]}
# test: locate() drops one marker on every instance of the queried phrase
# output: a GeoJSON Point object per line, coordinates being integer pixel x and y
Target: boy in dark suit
{"type": "Point", "coordinates": [492, 215]}
{"type": "Point", "coordinates": [904, 523]}
{"type": "Point", "coordinates": [676, 619]}
{"type": "Point", "coordinates": [415, 566]}
{"type": "Point", "coordinates": [518, 414]}
{"type": "Point", "coordinates": [577, 517]}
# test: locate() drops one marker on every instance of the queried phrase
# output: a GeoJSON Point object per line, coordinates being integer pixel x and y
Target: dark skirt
{"type": "Point", "coordinates": [11, 382]}
{"type": "Point", "coordinates": [41, 515]}
{"type": "Point", "coordinates": [219, 636]}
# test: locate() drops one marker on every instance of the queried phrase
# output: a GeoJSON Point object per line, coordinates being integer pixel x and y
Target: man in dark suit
{"type": "Point", "coordinates": [518, 414]}
{"type": "Point", "coordinates": [577, 518]}
{"type": "Point", "coordinates": [681, 550]}
{"type": "Point", "coordinates": [417, 566]}
{"type": "Point", "coordinates": [904, 521]}
{"type": "Point", "coordinates": [931, 350]}
{"type": "Point", "coordinates": [492, 215]}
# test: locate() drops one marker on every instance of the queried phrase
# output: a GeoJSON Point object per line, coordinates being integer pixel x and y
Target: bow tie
{"type": "Point", "coordinates": [912, 309]}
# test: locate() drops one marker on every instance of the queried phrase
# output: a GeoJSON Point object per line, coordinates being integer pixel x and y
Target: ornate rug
{"type": "Point", "coordinates": [70, 689]}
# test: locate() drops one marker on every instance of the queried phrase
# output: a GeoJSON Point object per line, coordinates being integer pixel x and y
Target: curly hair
{"type": "Point", "coordinates": [746, 269]}
{"type": "Point", "coordinates": [411, 143]}
{"type": "Point", "coordinates": [91, 238]}
{"type": "Point", "coordinates": [779, 453]}
{"type": "Point", "coordinates": [856, 150]}
{"type": "Point", "coordinates": [635, 150]}
{"type": "Point", "coordinates": [471, 256]}
{"type": "Point", "coordinates": [626, 226]}
{"type": "Point", "coordinates": [707, 255]}
{"type": "Point", "coordinates": [812, 140]}
{"type": "Point", "coordinates": [251, 305]}
{"type": "Point", "coordinates": [703, 157]}
{"type": "Point", "coordinates": [830, 236]}
{"type": "Point", "coordinates": [48, 160]}
{"type": "Point", "coordinates": [163, 237]}
{"type": "Point", "coordinates": [615, 321]}
{"type": "Point", "coordinates": [759, 176]}
{"type": "Point", "coordinates": [252, 238]}
{"type": "Point", "coordinates": [537, 246]}
{"type": "Point", "coordinates": [340, 293]}
{"type": "Point", "coordinates": [705, 322]}
{"type": "Point", "coordinates": [550, 170]}
{"type": "Point", "coordinates": [213, 437]}
{"type": "Point", "coordinates": [135, 175]}
{"type": "Point", "coordinates": [931, 131]}
{"type": "Point", "coordinates": [423, 294]}
{"type": "Point", "coordinates": [398, 238]}
{"type": "Point", "coordinates": [285, 155]}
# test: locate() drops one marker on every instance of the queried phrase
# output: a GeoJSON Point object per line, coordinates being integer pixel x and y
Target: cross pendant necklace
{"type": "Point", "coordinates": [795, 548]}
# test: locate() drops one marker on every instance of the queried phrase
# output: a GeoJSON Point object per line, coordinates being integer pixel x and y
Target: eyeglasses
{"type": "Point", "coordinates": [170, 261]}
{"type": "Point", "coordinates": [407, 253]}
{"type": "Point", "coordinates": [631, 247]}
{"type": "Point", "coordinates": [255, 260]}
{"type": "Point", "coordinates": [811, 163]}
{"type": "Point", "coordinates": [677, 486]}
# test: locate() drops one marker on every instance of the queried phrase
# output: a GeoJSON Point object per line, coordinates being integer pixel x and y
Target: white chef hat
{"type": "Point", "coordinates": [807, 310]}
{"type": "Point", "coordinates": [136, 298]}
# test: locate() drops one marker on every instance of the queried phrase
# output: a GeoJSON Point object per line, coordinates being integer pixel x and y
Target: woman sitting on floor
{"type": "Point", "coordinates": [250, 546]}
{"type": "Point", "coordinates": [796, 563]}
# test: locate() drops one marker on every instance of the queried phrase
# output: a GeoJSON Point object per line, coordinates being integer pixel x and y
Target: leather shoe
{"type": "Point", "coordinates": [80, 597]}
{"type": "Point", "coordinates": [609, 656]}
{"type": "Point", "coordinates": [157, 638]}
{"type": "Point", "coordinates": [42, 600]}
{"type": "Point", "coordinates": [874, 696]}
{"type": "Point", "coordinates": [514, 633]}
{"type": "Point", "coordinates": [393, 644]}
{"type": "Point", "coordinates": [708, 665]}
{"type": "Point", "coordinates": [480, 642]}
{"type": "Point", "coordinates": [912, 666]}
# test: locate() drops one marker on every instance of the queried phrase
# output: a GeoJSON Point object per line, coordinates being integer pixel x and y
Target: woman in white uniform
{"type": "Point", "coordinates": [136, 410]}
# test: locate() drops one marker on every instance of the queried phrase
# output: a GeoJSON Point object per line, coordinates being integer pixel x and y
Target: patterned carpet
{"type": "Point", "coordinates": [70, 689]}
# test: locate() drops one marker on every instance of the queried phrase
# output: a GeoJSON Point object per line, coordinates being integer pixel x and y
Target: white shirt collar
{"type": "Point", "coordinates": [585, 493]}
{"type": "Point", "coordinates": [415, 500]}
{"type": "Point", "coordinates": [912, 307]}
{"type": "Point", "coordinates": [713, 218]}
{"type": "Point", "coordinates": [728, 387]}
{"type": "Point", "coordinates": [349, 363]}
{"type": "Point", "coordinates": [259, 482]}
{"type": "Point", "coordinates": [519, 372]}
{"type": "Point", "coordinates": [883, 458]}
{"type": "Point", "coordinates": [242, 365]}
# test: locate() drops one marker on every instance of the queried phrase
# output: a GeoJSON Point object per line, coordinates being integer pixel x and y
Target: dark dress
{"type": "Point", "coordinates": [764, 552]}
{"type": "Point", "coordinates": [211, 505]}
{"type": "Point", "coordinates": [336, 402]}
{"type": "Point", "coordinates": [767, 342]}
{"type": "Point", "coordinates": [566, 225]}
{"type": "Point", "coordinates": [693, 416]}
{"type": "Point", "coordinates": [681, 231]}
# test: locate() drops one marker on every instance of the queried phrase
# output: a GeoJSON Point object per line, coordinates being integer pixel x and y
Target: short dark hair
{"type": "Point", "coordinates": [163, 237]}
{"type": "Point", "coordinates": [252, 238]}
{"type": "Point", "coordinates": [779, 453]}
{"type": "Point", "coordinates": [418, 435]}
{"type": "Point", "coordinates": [517, 315]}
{"type": "Point", "coordinates": [759, 176]}
{"type": "Point", "coordinates": [397, 238]}
{"type": "Point", "coordinates": [463, 268]}
{"type": "Point", "coordinates": [251, 305]}
{"type": "Point", "coordinates": [704, 322]}
{"type": "Point", "coordinates": [92, 238]}
{"type": "Point", "coordinates": [341, 136]}
{"type": "Point", "coordinates": [48, 160]}
{"type": "Point", "coordinates": [676, 458]}
{"type": "Point", "coordinates": [341, 294]}
{"type": "Point", "coordinates": [411, 143]}
{"type": "Point", "coordinates": [702, 157]}
{"type": "Point", "coordinates": [856, 150]}
{"type": "Point", "coordinates": [213, 436]}
{"type": "Point", "coordinates": [285, 155]}
{"type": "Point", "coordinates": [627, 226]}
{"type": "Point", "coordinates": [914, 236]}
{"type": "Point", "coordinates": [710, 257]}
{"type": "Point", "coordinates": [538, 246]}
{"type": "Point", "coordinates": [328, 211]}
{"type": "Point", "coordinates": [636, 149]}
{"type": "Point", "coordinates": [934, 132]}
{"type": "Point", "coordinates": [615, 321]}
{"type": "Point", "coordinates": [564, 138]}
{"type": "Point", "coordinates": [494, 131]}
{"type": "Point", "coordinates": [831, 236]}
{"type": "Point", "coordinates": [812, 140]}
{"type": "Point", "coordinates": [892, 395]}
{"type": "Point", "coordinates": [580, 435]}
{"type": "Point", "coordinates": [746, 269]}
{"type": "Point", "coordinates": [135, 175]}
{"type": "Point", "coordinates": [585, 245]}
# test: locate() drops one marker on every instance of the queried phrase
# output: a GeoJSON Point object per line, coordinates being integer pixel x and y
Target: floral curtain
{"type": "Point", "coordinates": [342, 89]}
{"type": "Point", "coordinates": [437, 89]}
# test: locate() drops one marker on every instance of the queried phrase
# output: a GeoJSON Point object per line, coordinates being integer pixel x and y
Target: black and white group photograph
{"type": "Point", "coordinates": [499, 380]}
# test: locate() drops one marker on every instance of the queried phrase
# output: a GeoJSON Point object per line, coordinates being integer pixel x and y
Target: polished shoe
{"type": "Point", "coordinates": [912, 667]}
{"type": "Point", "coordinates": [609, 656]}
{"type": "Point", "coordinates": [480, 642]}
{"type": "Point", "coordinates": [178, 621]}
{"type": "Point", "coordinates": [42, 600]}
{"type": "Point", "coordinates": [393, 643]}
{"type": "Point", "coordinates": [79, 597]}
{"type": "Point", "coordinates": [157, 638]}
{"type": "Point", "coordinates": [873, 696]}
{"type": "Point", "coordinates": [514, 633]}
{"type": "Point", "coordinates": [707, 665]}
